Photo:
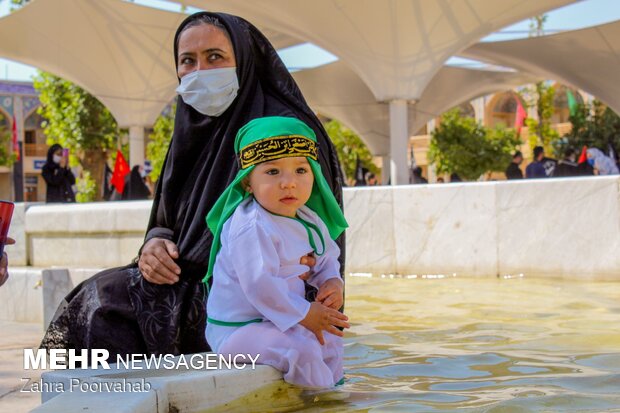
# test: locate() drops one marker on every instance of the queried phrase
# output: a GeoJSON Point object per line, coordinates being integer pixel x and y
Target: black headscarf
{"type": "Point", "coordinates": [201, 162]}
{"type": "Point", "coordinates": [135, 188]}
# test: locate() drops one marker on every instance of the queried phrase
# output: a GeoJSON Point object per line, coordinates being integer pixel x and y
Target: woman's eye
{"type": "Point", "coordinates": [272, 172]}
{"type": "Point", "coordinates": [215, 56]}
{"type": "Point", "coordinates": [187, 61]}
{"type": "Point", "coordinates": [302, 170]}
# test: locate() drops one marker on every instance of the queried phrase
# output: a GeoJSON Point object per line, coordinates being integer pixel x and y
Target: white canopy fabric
{"type": "Point", "coordinates": [588, 59]}
{"type": "Point", "coordinates": [119, 52]}
{"type": "Point", "coordinates": [336, 91]}
{"type": "Point", "coordinates": [395, 46]}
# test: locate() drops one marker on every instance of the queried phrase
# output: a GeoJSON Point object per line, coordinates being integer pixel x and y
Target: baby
{"type": "Point", "coordinates": [278, 208]}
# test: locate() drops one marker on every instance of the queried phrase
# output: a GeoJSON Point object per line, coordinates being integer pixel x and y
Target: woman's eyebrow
{"type": "Point", "coordinates": [213, 49]}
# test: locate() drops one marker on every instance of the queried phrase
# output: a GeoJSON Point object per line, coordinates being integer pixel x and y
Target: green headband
{"type": "Point", "coordinates": [278, 147]}
{"type": "Point", "coordinates": [266, 139]}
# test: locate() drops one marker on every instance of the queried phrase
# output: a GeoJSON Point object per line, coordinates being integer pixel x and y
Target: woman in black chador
{"type": "Point", "coordinates": [156, 305]}
{"type": "Point", "coordinates": [58, 176]}
{"type": "Point", "coordinates": [135, 188]}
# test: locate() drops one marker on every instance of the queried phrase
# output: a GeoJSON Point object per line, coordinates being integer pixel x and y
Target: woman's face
{"type": "Point", "coordinates": [204, 47]}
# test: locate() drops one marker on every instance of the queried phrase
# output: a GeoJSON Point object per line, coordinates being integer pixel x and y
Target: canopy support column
{"type": "Point", "coordinates": [136, 146]}
{"type": "Point", "coordinates": [399, 139]}
{"type": "Point", "coordinates": [385, 169]}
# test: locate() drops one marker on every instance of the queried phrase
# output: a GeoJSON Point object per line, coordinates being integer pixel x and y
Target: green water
{"type": "Point", "coordinates": [474, 345]}
{"type": "Point", "coordinates": [490, 345]}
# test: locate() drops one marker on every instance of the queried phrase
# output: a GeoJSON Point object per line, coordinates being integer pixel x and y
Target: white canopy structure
{"type": "Point", "coordinates": [336, 91]}
{"type": "Point", "coordinates": [119, 52]}
{"type": "Point", "coordinates": [395, 46]}
{"type": "Point", "coordinates": [588, 59]}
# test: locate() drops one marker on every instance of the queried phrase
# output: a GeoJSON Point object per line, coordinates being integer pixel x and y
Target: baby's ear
{"type": "Point", "coordinates": [245, 184]}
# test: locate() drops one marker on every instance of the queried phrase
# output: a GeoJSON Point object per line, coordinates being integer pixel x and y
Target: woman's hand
{"type": "Point", "coordinates": [321, 318]}
{"type": "Point", "coordinates": [4, 263]}
{"type": "Point", "coordinates": [156, 261]}
{"type": "Point", "coordinates": [331, 293]}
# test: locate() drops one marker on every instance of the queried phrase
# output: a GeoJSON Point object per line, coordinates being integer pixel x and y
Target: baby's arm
{"type": "Point", "coordinates": [326, 275]}
{"type": "Point", "coordinates": [256, 263]}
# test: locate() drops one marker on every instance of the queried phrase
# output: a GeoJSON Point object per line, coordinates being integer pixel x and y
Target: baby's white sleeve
{"type": "Point", "coordinates": [327, 265]}
{"type": "Point", "coordinates": [256, 263]}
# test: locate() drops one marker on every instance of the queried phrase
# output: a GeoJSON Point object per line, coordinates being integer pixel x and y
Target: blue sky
{"type": "Point", "coordinates": [578, 15]}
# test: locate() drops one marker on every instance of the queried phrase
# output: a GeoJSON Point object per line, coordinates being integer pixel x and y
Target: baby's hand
{"type": "Point", "coordinates": [310, 261]}
{"type": "Point", "coordinates": [331, 294]}
{"type": "Point", "coordinates": [321, 318]}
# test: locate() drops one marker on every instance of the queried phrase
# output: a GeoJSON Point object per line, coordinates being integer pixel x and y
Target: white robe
{"type": "Point", "coordinates": [256, 275]}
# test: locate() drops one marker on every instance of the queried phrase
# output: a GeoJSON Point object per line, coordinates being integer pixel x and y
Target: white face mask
{"type": "Point", "coordinates": [56, 158]}
{"type": "Point", "coordinates": [210, 92]}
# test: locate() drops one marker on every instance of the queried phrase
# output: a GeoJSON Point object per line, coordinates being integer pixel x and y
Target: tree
{"type": "Point", "coordinates": [350, 148]}
{"type": "Point", "coordinates": [78, 121]}
{"type": "Point", "coordinates": [541, 97]}
{"type": "Point", "coordinates": [461, 145]}
{"type": "Point", "coordinates": [594, 125]}
{"type": "Point", "coordinates": [541, 132]}
{"type": "Point", "coordinates": [7, 156]}
{"type": "Point", "coordinates": [159, 140]}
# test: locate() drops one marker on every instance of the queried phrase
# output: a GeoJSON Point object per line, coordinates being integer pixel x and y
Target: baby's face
{"type": "Point", "coordinates": [282, 186]}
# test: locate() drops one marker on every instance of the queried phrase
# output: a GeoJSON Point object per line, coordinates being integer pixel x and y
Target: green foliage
{"type": "Point", "coordinates": [86, 188]}
{"type": "Point", "coordinates": [73, 117]}
{"type": "Point", "coordinates": [350, 147]}
{"type": "Point", "coordinates": [159, 141]}
{"type": "Point", "coordinates": [541, 97]}
{"type": "Point", "coordinates": [78, 121]}
{"type": "Point", "coordinates": [7, 156]}
{"type": "Point", "coordinates": [541, 132]}
{"type": "Point", "coordinates": [594, 125]}
{"type": "Point", "coordinates": [537, 24]}
{"type": "Point", "coordinates": [463, 146]}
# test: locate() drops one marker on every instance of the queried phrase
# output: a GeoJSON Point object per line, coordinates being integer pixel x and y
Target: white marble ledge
{"type": "Point", "coordinates": [445, 229]}
{"type": "Point", "coordinates": [370, 236]}
{"type": "Point", "coordinates": [178, 390]}
{"type": "Point", "coordinates": [96, 217]}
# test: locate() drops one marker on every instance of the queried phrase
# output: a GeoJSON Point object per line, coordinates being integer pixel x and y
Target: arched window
{"type": "Point", "coordinates": [502, 109]}
{"type": "Point", "coordinates": [34, 138]}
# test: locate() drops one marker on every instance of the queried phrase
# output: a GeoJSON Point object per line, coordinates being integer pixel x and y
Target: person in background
{"type": "Point", "coordinates": [4, 263]}
{"type": "Point", "coordinates": [549, 164]}
{"type": "Point", "coordinates": [454, 177]}
{"type": "Point", "coordinates": [135, 187]}
{"type": "Point", "coordinates": [536, 169]}
{"type": "Point", "coordinates": [440, 180]}
{"type": "Point", "coordinates": [417, 176]}
{"type": "Point", "coordinates": [371, 179]}
{"type": "Point", "coordinates": [513, 171]}
{"type": "Point", "coordinates": [567, 166]}
{"type": "Point", "coordinates": [58, 176]}
{"type": "Point", "coordinates": [601, 163]}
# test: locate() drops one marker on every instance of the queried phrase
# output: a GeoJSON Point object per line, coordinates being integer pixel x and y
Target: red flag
{"type": "Point", "coordinates": [584, 155]}
{"type": "Point", "coordinates": [14, 138]}
{"type": "Point", "coordinates": [520, 116]}
{"type": "Point", "coordinates": [121, 169]}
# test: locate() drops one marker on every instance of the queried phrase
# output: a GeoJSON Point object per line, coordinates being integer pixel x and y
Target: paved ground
{"type": "Point", "coordinates": [14, 337]}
